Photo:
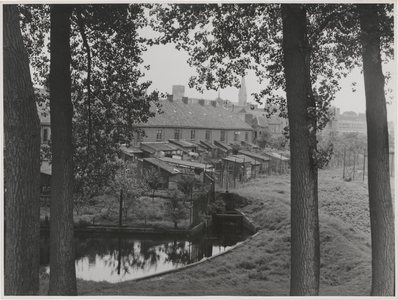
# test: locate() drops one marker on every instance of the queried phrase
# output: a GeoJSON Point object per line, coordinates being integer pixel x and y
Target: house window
{"type": "Point", "coordinates": [159, 135]}
{"type": "Point", "coordinates": [207, 135]}
{"type": "Point", "coordinates": [246, 136]}
{"type": "Point", "coordinates": [192, 135]}
{"type": "Point", "coordinates": [222, 135]}
{"type": "Point", "coordinates": [45, 136]}
{"type": "Point", "coordinates": [235, 136]}
{"type": "Point", "coordinates": [177, 134]}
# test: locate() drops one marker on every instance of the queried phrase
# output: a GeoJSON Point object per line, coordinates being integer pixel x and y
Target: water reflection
{"type": "Point", "coordinates": [118, 259]}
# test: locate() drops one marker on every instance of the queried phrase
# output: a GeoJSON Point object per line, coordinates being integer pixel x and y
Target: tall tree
{"type": "Point", "coordinates": [380, 201]}
{"type": "Point", "coordinates": [21, 164]}
{"type": "Point", "coordinates": [62, 258]}
{"type": "Point", "coordinates": [105, 69]}
{"type": "Point", "coordinates": [100, 81]}
{"type": "Point", "coordinates": [305, 252]}
{"type": "Point", "coordinates": [251, 37]}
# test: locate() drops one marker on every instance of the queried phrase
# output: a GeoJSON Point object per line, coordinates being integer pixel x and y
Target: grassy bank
{"type": "Point", "coordinates": [261, 265]}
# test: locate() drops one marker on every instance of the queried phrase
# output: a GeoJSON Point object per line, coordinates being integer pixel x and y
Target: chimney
{"type": "Point", "coordinates": [170, 98]}
{"type": "Point", "coordinates": [249, 119]}
{"type": "Point", "coordinates": [178, 92]}
{"type": "Point", "coordinates": [214, 103]}
{"type": "Point", "coordinates": [185, 100]}
{"type": "Point", "coordinates": [201, 102]}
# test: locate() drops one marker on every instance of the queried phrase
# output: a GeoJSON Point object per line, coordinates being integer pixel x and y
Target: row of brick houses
{"type": "Point", "coordinates": [193, 121]}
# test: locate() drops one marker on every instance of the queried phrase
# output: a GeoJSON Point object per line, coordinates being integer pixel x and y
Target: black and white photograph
{"type": "Point", "coordinates": [198, 149]}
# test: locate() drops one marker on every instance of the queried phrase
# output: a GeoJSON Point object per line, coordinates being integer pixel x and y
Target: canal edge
{"type": "Point", "coordinates": [207, 259]}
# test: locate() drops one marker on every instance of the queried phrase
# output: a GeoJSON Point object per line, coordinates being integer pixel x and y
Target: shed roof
{"type": "Point", "coordinates": [183, 143]}
{"type": "Point", "coordinates": [247, 158]}
{"type": "Point", "coordinates": [238, 159]}
{"type": "Point", "coordinates": [153, 147]}
{"type": "Point", "coordinates": [222, 145]}
{"type": "Point", "coordinates": [161, 164]}
{"type": "Point", "coordinates": [255, 156]}
{"type": "Point", "coordinates": [184, 163]}
{"type": "Point", "coordinates": [278, 156]}
{"type": "Point", "coordinates": [208, 145]}
{"type": "Point", "coordinates": [130, 150]}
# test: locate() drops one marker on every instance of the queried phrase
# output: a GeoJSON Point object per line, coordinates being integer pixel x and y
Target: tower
{"type": "Point", "coordinates": [242, 93]}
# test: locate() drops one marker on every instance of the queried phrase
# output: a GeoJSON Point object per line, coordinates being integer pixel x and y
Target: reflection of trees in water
{"type": "Point", "coordinates": [177, 253]}
{"type": "Point", "coordinates": [123, 256]}
{"type": "Point", "coordinates": [130, 256]}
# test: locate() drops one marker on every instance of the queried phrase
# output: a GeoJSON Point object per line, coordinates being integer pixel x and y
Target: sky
{"type": "Point", "coordinates": [169, 67]}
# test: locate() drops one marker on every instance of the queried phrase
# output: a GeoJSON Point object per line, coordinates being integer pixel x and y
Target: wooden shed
{"type": "Point", "coordinates": [262, 160]}
{"type": "Point", "coordinates": [166, 171]}
{"type": "Point", "coordinates": [235, 168]}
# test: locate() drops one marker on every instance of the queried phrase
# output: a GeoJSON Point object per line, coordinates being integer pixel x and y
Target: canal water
{"type": "Point", "coordinates": [119, 258]}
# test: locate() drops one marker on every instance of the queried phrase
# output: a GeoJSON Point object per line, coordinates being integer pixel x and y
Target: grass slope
{"type": "Point", "coordinates": [261, 265]}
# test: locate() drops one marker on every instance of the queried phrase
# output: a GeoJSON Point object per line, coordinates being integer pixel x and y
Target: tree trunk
{"type": "Point", "coordinates": [305, 255]}
{"type": "Point", "coordinates": [380, 202]}
{"type": "Point", "coordinates": [62, 250]}
{"type": "Point", "coordinates": [21, 164]}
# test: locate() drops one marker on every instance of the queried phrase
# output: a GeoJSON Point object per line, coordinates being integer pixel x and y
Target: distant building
{"type": "Point", "coordinates": [45, 126]}
{"type": "Point", "coordinates": [346, 122]}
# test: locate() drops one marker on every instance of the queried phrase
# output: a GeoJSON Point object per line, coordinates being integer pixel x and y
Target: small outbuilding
{"type": "Point", "coordinates": [278, 163]}
{"type": "Point", "coordinates": [130, 153]}
{"type": "Point", "coordinates": [160, 149]}
{"type": "Point", "coordinates": [166, 171]}
{"type": "Point", "coordinates": [262, 160]}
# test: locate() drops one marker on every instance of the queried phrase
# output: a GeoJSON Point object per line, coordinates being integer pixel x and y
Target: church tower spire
{"type": "Point", "coordinates": [242, 93]}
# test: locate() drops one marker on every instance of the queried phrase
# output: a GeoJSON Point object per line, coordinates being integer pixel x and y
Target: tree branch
{"type": "Point", "coordinates": [85, 43]}
{"type": "Point", "coordinates": [314, 36]}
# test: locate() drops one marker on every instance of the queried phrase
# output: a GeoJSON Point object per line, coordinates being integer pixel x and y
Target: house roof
{"type": "Point", "coordinates": [153, 147]}
{"type": "Point", "coordinates": [260, 121]}
{"type": "Point", "coordinates": [194, 115]}
{"type": "Point", "coordinates": [254, 156]}
{"type": "Point", "coordinates": [161, 164]}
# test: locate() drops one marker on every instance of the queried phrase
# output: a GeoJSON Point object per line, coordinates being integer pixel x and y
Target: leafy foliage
{"type": "Point", "coordinates": [187, 183]}
{"type": "Point", "coordinates": [106, 68]}
{"type": "Point", "coordinates": [126, 182]}
{"type": "Point", "coordinates": [152, 180]}
{"type": "Point", "coordinates": [225, 41]}
{"type": "Point", "coordinates": [175, 207]}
